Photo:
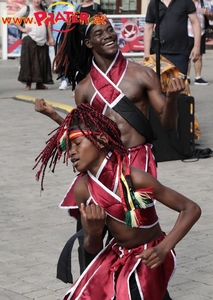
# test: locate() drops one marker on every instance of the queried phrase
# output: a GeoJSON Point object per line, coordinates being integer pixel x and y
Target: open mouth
{"type": "Point", "coordinates": [74, 161]}
{"type": "Point", "coordinates": [109, 43]}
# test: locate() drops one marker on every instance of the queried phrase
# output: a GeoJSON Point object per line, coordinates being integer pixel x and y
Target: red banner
{"type": "Point", "coordinates": [13, 41]}
{"type": "Point", "coordinates": [129, 29]}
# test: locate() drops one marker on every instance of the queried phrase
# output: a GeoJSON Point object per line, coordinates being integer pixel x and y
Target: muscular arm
{"type": "Point", "coordinates": [44, 108]}
{"type": "Point", "coordinates": [164, 106]}
{"type": "Point", "coordinates": [189, 213]}
{"type": "Point", "coordinates": [81, 91]}
{"type": "Point", "coordinates": [194, 55]}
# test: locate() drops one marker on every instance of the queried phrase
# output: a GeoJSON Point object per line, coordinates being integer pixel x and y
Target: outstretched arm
{"type": "Point", "coordinates": [44, 108]}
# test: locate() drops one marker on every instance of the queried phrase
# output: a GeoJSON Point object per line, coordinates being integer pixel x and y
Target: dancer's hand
{"type": "Point", "coordinates": [175, 87]}
{"type": "Point", "coordinates": [43, 107]}
{"type": "Point", "coordinates": [152, 257]}
{"type": "Point", "coordinates": [94, 217]}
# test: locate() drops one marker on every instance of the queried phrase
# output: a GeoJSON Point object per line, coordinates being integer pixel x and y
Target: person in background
{"type": "Point", "coordinates": [203, 11]}
{"type": "Point", "coordinates": [173, 18]}
{"type": "Point", "coordinates": [35, 63]}
{"type": "Point", "coordinates": [89, 6]}
{"type": "Point", "coordinates": [56, 28]}
{"type": "Point", "coordinates": [139, 260]}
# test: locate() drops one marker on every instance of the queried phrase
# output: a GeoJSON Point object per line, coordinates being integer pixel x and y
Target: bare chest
{"type": "Point", "coordinates": [130, 87]}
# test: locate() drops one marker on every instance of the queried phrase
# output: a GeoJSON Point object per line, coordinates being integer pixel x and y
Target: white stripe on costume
{"type": "Point", "coordinates": [68, 207]}
{"type": "Point", "coordinates": [75, 285]}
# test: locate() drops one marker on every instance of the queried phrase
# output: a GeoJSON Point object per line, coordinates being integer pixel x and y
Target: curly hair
{"type": "Point", "coordinates": [84, 117]}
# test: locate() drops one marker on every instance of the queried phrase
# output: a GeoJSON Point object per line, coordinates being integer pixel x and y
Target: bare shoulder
{"type": "Point", "coordinates": [83, 84]}
{"type": "Point", "coordinates": [144, 74]}
{"type": "Point", "coordinates": [81, 90]}
{"type": "Point", "coordinates": [81, 190]}
{"type": "Point", "coordinates": [142, 179]}
{"type": "Point", "coordinates": [139, 68]}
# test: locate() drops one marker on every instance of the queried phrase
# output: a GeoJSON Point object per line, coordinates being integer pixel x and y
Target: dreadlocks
{"type": "Point", "coordinates": [88, 121]}
{"type": "Point", "coordinates": [73, 57]}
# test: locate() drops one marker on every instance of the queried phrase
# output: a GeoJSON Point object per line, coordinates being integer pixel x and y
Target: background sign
{"type": "Point", "coordinates": [129, 29]}
{"type": "Point", "coordinates": [13, 41]}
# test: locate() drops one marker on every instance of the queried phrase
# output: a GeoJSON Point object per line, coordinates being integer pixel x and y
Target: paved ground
{"type": "Point", "coordinates": [34, 230]}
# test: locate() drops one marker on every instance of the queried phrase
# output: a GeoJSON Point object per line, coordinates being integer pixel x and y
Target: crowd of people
{"type": "Point", "coordinates": [182, 37]}
{"type": "Point", "coordinates": [108, 138]}
{"type": "Point", "coordinates": [182, 33]}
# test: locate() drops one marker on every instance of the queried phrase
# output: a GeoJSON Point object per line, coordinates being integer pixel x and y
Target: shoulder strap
{"type": "Point", "coordinates": [27, 12]}
{"type": "Point", "coordinates": [134, 116]}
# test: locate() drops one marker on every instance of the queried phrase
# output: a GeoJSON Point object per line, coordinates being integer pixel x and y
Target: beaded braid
{"type": "Point", "coordinates": [83, 117]}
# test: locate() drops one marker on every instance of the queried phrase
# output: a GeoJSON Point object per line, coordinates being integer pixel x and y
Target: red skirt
{"type": "Point", "coordinates": [107, 277]}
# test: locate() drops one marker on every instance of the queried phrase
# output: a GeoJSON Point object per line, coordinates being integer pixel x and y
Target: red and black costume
{"type": "Point", "coordinates": [107, 94]}
{"type": "Point", "coordinates": [109, 274]}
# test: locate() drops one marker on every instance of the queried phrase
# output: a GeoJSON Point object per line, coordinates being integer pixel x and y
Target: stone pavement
{"type": "Point", "coordinates": [34, 230]}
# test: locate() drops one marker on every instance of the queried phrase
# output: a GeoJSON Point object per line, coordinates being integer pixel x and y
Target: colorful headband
{"type": "Point", "coordinates": [73, 135]}
{"type": "Point", "coordinates": [77, 133]}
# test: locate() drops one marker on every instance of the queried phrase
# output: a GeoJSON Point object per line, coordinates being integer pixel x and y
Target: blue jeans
{"type": "Point", "coordinates": [63, 78]}
{"type": "Point", "coordinates": [179, 60]}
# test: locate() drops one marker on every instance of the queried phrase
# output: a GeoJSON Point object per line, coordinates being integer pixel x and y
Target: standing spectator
{"type": "Point", "coordinates": [35, 63]}
{"type": "Point", "coordinates": [203, 11]}
{"type": "Point", "coordinates": [88, 6]}
{"type": "Point", "coordinates": [57, 26]}
{"type": "Point", "coordinates": [173, 17]}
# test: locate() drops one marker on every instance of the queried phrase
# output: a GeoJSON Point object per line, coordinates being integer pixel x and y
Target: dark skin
{"type": "Point", "coordinates": [85, 156]}
{"type": "Point", "coordinates": [140, 84]}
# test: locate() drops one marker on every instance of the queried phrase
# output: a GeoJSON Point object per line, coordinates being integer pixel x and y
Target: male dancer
{"type": "Point", "coordinates": [117, 87]}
